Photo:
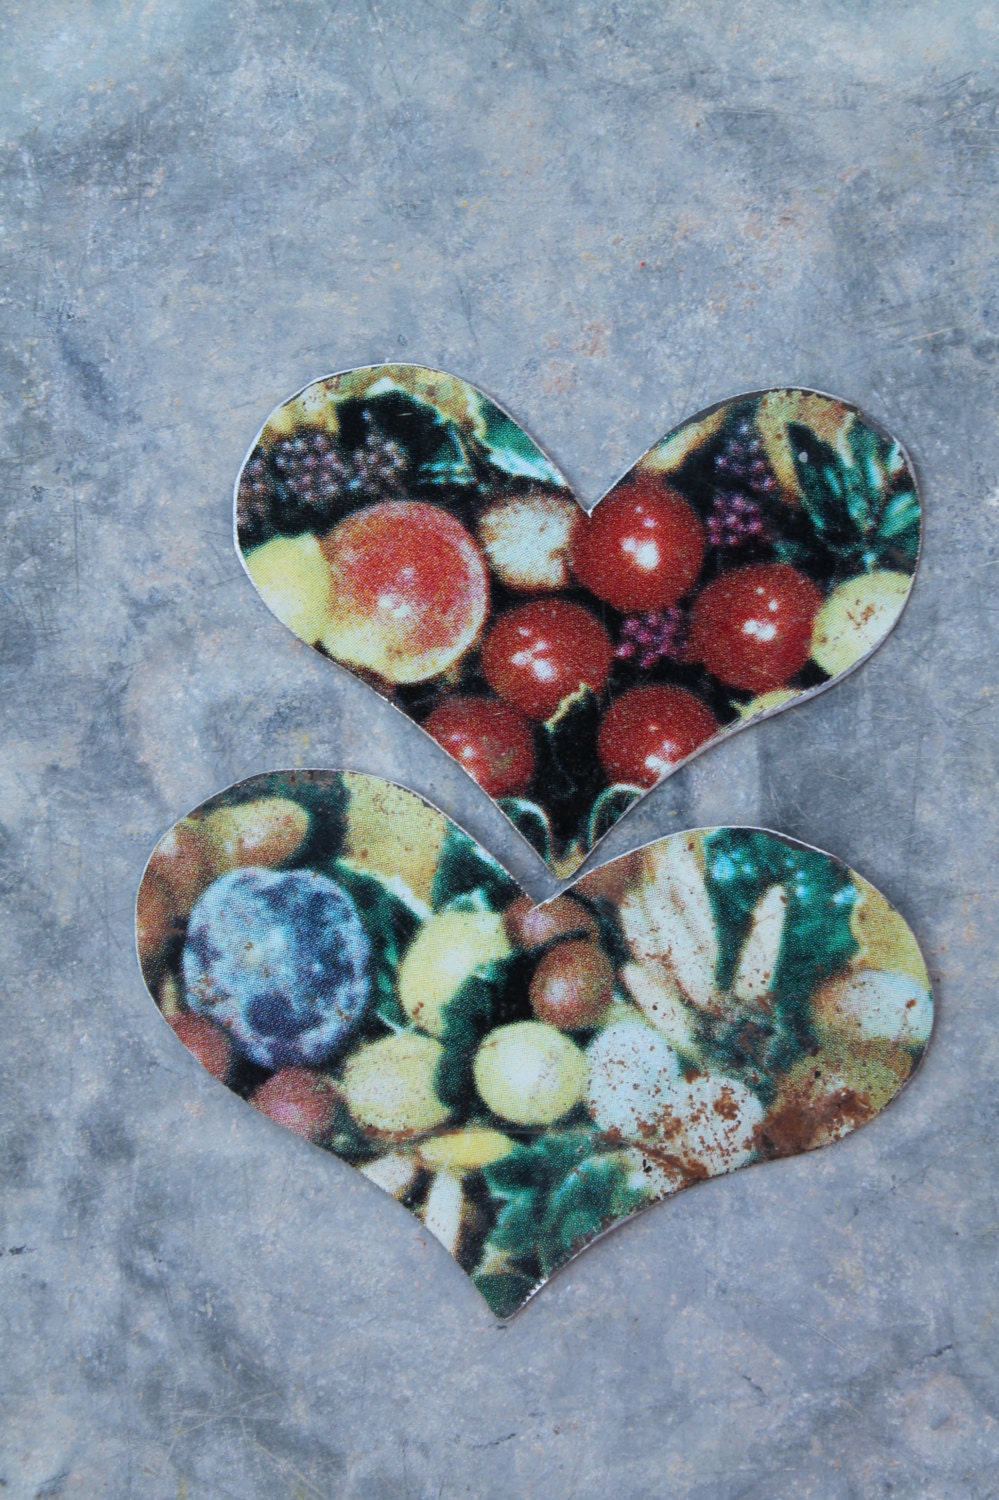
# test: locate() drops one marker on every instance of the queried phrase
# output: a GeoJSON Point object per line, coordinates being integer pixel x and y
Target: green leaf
{"type": "Point", "coordinates": [855, 507]}
{"type": "Point", "coordinates": [592, 1196]}
{"type": "Point", "coordinates": [468, 1016]}
{"type": "Point", "coordinates": [505, 1291]}
{"type": "Point", "coordinates": [557, 1192]}
{"type": "Point", "coordinates": [464, 867]}
{"type": "Point", "coordinates": [900, 514]}
{"type": "Point", "coordinates": [567, 758]}
{"type": "Point", "coordinates": [509, 448]}
{"type": "Point", "coordinates": [390, 926]}
{"type": "Point", "coordinates": [817, 939]}
{"type": "Point", "coordinates": [531, 821]}
{"type": "Point", "coordinates": [611, 805]}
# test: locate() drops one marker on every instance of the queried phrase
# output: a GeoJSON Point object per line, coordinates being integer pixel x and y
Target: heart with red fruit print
{"type": "Point", "coordinates": [522, 1076]}
{"type": "Point", "coordinates": [397, 520]}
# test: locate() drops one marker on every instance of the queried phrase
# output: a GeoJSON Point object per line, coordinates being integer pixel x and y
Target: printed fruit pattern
{"type": "Point", "coordinates": [402, 524]}
{"type": "Point", "coordinates": [521, 1077]}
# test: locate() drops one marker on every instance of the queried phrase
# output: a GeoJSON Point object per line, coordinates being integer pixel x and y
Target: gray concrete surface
{"type": "Point", "coordinates": [607, 214]}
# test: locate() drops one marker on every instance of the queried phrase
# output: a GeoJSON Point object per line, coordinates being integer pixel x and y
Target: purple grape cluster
{"type": "Point", "coordinates": [299, 482]}
{"type": "Point", "coordinates": [734, 520]}
{"type": "Point", "coordinates": [649, 638]}
{"type": "Point", "coordinates": [742, 458]}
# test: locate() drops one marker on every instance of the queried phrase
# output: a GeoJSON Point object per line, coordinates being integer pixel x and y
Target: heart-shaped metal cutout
{"type": "Point", "coordinates": [398, 520]}
{"type": "Point", "coordinates": [523, 1077]}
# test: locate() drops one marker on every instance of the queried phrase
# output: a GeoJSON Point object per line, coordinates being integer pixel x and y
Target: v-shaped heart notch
{"type": "Point", "coordinates": [396, 519]}
{"type": "Point", "coordinates": [523, 1077]}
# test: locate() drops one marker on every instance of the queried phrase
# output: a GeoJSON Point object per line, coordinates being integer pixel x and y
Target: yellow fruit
{"type": "Point", "coordinates": [856, 617]}
{"type": "Point", "coordinates": [464, 1150]}
{"type": "Point", "coordinates": [389, 1085]}
{"type": "Point", "coordinates": [530, 1073]}
{"type": "Point", "coordinates": [265, 832]}
{"type": "Point", "coordinates": [393, 834]}
{"type": "Point", "coordinates": [886, 940]}
{"type": "Point", "coordinates": [445, 952]}
{"type": "Point", "coordinates": [294, 580]}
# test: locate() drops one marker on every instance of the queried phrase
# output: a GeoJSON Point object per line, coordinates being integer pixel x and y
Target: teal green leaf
{"type": "Point", "coordinates": [817, 939]}
{"type": "Point", "coordinates": [531, 821]}
{"type": "Point", "coordinates": [611, 805]}
{"type": "Point", "coordinates": [509, 448]}
{"type": "Point", "coordinates": [464, 867]}
{"type": "Point", "coordinates": [390, 925]}
{"type": "Point", "coordinates": [505, 1291]}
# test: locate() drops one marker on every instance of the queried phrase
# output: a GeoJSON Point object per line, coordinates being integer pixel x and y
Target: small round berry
{"type": "Point", "coordinates": [529, 1073]}
{"type": "Point", "coordinates": [649, 729]}
{"type": "Point", "coordinates": [281, 960]}
{"type": "Point", "coordinates": [492, 741]}
{"type": "Point", "coordinates": [466, 1150]}
{"type": "Point", "coordinates": [409, 590]}
{"type": "Point", "coordinates": [154, 916]}
{"type": "Point", "coordinates": [752, 627]}
{"type": "Point", "coordinates": [540, 653]}
{"type": "Point", "coordinates": [572, 986]}
{"type": "Point", "coordinates": [207, 1042]}
{"type": "Point", "coordinates": [179, 861]}
{"type": "Point", "coordinates": [532, 926]}
{"type": "Point", "coordinates": [299, 1099]}
{"type": "Point", "coordinates": [642, 547]}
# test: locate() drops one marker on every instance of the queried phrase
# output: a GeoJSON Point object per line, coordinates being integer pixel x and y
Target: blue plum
{"type": "Point", "coordinates": [281, 960]}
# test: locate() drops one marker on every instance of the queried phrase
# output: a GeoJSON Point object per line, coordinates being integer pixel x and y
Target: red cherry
{"type": "Point", "coordinates": [642, 547]}
{"type": "Point", "coordinates": [752, 627]}
{"type": "Point", "coordinates": [298, 1099]}
{"type": "Point", "coordinates": [493, 742]}
{"type": "Point", "coordinates": [539, 653]}
{"type": "Point", "coordinates": [649, 729]}
{"type": "Point", "coordinates": [209, 1044]}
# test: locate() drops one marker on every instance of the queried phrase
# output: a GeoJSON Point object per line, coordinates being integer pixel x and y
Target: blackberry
{"type": "Point", "coordinates": [299, 483]}
{"type": "Point", "coordinates": [742, 459]}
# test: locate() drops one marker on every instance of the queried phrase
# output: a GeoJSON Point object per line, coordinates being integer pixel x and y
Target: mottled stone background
{"type": "Point", "coordinates": [608, 215]}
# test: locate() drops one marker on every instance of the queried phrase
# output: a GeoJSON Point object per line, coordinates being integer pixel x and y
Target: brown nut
{"type": "Point", "coordinates": [572, 986]}
{"type": "Point", "coordinates": [531, 926]}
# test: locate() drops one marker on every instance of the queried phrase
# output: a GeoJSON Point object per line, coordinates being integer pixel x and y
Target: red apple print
{"type": "Point", "coordinates": [752, 627]}
{"type": "Point", "coordinates": [642, 547]}
{"type": "Point", "coordinates": [492, 741]}
{"type": "Point", "coordinates": [409, 590]}
{"type": "Point", "coordinates": [650, 729]}
{"type": "Point", "coordinates": [538, 654]}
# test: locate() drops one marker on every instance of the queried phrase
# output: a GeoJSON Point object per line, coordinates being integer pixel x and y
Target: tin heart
{"type": "Point", "coordinates": [522, 1077]}
{"type": "Point", "coordinates": [402, 524]}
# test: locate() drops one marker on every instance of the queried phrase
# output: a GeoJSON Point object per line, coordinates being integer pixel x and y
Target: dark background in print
{"type": "Point", "coordinates": [608, 216]}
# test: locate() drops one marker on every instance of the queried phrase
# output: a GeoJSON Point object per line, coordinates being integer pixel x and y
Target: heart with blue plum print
{"type": "Point", "coordinates": [397, 520]}
{"type": "Point", "coordinates": [523, 1076]}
